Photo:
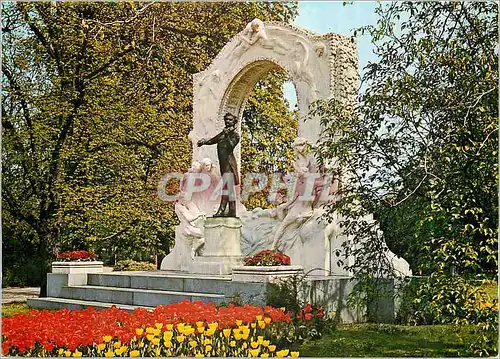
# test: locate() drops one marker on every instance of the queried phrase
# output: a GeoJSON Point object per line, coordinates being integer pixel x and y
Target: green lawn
{"type": "Point", "coordinates": [10, 309]}
{"type": "Point", "coordinates": [384, 340]}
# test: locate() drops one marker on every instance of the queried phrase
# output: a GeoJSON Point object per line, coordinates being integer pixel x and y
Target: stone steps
{"type": "Point", "coordinates": [134, 296]}
{"type": "Point", "coordinates": [130, 290]}
{"type": "Point", "coordinates": [60, 303]}
{"type": "Point", "coordinates": [170, 282]}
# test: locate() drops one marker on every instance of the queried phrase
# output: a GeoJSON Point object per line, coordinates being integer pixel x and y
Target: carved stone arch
{"type": "Point", "coordinates": [239, 89]}
{"type": "Point", "coordinates": [319, 66]}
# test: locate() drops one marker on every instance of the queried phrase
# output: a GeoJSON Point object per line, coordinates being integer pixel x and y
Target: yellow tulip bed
{"type": "Point", "coordinates": [201, 340]}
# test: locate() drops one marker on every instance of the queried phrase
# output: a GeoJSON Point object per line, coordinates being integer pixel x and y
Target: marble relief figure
{"type": "Point", "coordinates": [255, 32]}
{"type": "Point", "coordinates": [295, 212]}
{"type": "Point", "coordinates": [303, 73]}
{"type": "Point", "coordinates": [189, 213]}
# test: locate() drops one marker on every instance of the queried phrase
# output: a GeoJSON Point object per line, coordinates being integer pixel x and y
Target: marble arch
{"type": "Point", "coordinates": [320, 66]}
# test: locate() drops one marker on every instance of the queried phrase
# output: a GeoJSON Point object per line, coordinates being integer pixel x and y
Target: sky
{"type": "Point", "coordinates": [332, 16]}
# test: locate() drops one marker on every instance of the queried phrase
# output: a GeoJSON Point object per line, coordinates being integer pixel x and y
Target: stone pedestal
{"type": "Point", "coordinates": [75, 273]}
{"type": "Point", "coordinates": [77, 267]}
{"type": "Point", "coordinates": [222, 236]}
{"type": "Point", "coordinates": [222, 247]}
{"type": "Point", "coordinates": [265, 274]}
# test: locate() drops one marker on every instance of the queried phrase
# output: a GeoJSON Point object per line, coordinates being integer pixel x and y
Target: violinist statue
{"type": "Point", "coordinates": [226, 141]}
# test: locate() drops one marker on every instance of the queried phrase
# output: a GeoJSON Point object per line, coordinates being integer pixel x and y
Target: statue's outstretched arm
{"type": "Point", "coordinates": [215, 139]}
{"type": "Point", "coordinates": [211, 141]}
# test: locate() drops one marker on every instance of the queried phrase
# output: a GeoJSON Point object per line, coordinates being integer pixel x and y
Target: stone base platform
{"type": "Point", "coordinates": [268, 274]}
{"type": "Point", "coordinates": [216, 265]}
{"type": "Point", "coordinates": [144, 289]}
{"type": "Point", "coordinates": [129, 290]}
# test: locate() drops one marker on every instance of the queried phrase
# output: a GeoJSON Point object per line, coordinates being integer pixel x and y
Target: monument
{"type": "Point", "coordinates": [320, 67]}
{"type": "Point", "coordinates": [215, 234]}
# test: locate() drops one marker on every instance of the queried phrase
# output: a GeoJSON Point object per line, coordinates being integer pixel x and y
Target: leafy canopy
{"type": "Point", "coordinates": [97, 102]}
{"type": "Point", "coordinates": [419, 149]}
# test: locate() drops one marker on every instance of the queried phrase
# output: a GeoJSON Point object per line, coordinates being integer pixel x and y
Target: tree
{"type": "Point", "coordinates": [419, 150]}
{"type": "Point", "coordinates": [97, 102]}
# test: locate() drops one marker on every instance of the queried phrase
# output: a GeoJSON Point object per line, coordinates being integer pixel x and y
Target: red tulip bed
{"type": "Point", "coordinates": [268, 258]}
{"type": "Point", "coordinates": [77, 256]}
{"type": "Point", "coordinates": [181, 329]}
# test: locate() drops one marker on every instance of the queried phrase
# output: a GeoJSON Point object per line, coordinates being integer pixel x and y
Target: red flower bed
{"type": "Point", "coordinates": [268, 258]}
{"type": "Point", "coordinates": [78, 256]}
{"type": "Point", "coordinates": [309, 312]}
{"type": "Point", "coordinates": [75, 328]}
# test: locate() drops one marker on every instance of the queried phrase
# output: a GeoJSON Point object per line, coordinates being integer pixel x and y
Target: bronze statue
{"type": "Point", "coordinates": [226, 142]}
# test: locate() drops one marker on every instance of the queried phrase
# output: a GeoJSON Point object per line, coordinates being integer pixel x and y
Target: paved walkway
{"type": "Point", "coordinates": [15, 294]}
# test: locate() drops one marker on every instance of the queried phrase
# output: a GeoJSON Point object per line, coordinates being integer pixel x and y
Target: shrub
{"type": "Point", "coordinates": [23, 274]}
{"type": "Point", "coordinates": [131, 265]}
{"type": "Point", "coordinates": [309, 320]}
{"type": "Point", "coordinates": [444, 300]}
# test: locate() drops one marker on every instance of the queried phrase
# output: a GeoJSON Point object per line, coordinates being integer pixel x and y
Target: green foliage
{"type": "Point", "coordinates": [419, 150]}
{"type": "Point", "coordinates": [20, 263]}
{"type": "Point", "coordinates": [309, 319]}
{"type": "Point", "coordinates": [268, 130]}
{"type": "Point", "coordinates": [443, 300]}
{"type": "Point", "coordinates": [286, 293]}
{"type": "Point", "coordinates": [429, 300]}
{"type": "Point", "coordinates": [398, 232]}
{"type": "Point", "coordinates": [490, 288]}
{"type": "Point", "coordinates": [96, 107]}
{"type": "Point", "coordinates": [22, 274]}
{"type": "Point", "coordinates": [131, 265]}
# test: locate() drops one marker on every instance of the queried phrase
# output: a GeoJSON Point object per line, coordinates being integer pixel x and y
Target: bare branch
{"type": "Point", "coordinates": [476, 102]}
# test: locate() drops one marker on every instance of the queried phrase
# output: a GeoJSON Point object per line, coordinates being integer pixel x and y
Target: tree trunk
{"type": "Point", "coordinates": [42, 252]}
{"type": "Point", "coordinates": [44, 236]}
